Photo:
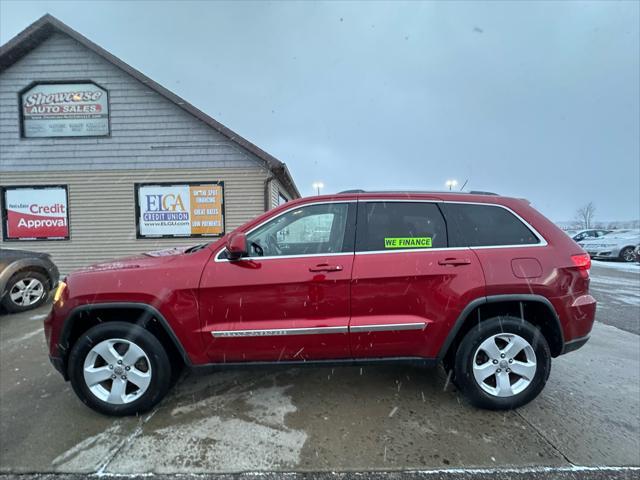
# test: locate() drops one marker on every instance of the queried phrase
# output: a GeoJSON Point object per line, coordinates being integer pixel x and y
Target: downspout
{"type": "Point", "coordinates": [267, 192]}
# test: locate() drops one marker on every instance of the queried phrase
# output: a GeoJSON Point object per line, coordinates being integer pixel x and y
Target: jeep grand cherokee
{"type": "Point", "coordinates": [484, 284]}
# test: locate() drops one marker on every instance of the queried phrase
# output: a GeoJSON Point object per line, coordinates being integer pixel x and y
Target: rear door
{"type": "Point", "coordinates": [408, 287]}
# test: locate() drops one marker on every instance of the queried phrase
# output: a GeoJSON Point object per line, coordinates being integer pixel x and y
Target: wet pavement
{"type": "Point", "coordinates": [317, 419]}
{"type": "Point", "coordinates": [616, 286]}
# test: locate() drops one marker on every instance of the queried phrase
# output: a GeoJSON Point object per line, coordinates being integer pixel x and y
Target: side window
{"type": "Point", "coordinates": [580, 236]}
{"type": "Point", "coordinates": [306, 230]}
{"type": "Point", "coordinates": [473, 225]}
{"type": "Point", "coordinates": [399, 225]}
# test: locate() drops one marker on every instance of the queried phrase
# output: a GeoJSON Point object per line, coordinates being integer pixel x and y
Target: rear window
{"type": "Point", "coordinates": [392, 226]}
{"type": "Point", "coordinates": [485, 225]}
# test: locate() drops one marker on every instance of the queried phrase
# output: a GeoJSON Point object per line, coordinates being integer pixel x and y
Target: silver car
{"type": "Point", "coordinates": [617, 244]}
{"type": "Point", "coordinates": [589, 234]}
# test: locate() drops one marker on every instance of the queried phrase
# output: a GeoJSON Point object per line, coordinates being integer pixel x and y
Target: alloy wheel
{"type": "Point", "coordinates": [628, 255]}
{"type": "Point", "coordinates": [504, 365]}
{"type": "Point", "coordinates": [117, 371]}
{"type": "Point", "coordinates": [27, 292]}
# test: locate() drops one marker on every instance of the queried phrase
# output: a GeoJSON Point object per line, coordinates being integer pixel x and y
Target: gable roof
{"type": "Point", "coordinates": [45, 26]}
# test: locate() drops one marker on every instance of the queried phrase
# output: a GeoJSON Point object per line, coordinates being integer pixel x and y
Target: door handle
{"type": "Point", "coordinates": [325, 267]}
{"type": "Point", "coordinates": [454, 261]}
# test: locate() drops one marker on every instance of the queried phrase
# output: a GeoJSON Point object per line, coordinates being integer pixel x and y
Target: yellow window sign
{"type": "Point", "coordinates": [410, 242]}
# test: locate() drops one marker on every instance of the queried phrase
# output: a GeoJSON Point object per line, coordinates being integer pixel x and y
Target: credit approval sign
{"type": "Point", "coordinates": [35, 213]}
{"type": "Point", "coordinates": [180, 210]}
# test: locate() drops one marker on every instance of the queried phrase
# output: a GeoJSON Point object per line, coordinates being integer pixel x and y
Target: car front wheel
{"type": "Point", "coordinates": [26, 290]}
{"type": "Point", "coordinates": [502, 364]}
{"type": "Point", "coordinates": [119, 368]}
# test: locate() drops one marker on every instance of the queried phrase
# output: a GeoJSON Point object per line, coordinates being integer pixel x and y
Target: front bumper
{"type": "Point", "coordinates": [602, 252]}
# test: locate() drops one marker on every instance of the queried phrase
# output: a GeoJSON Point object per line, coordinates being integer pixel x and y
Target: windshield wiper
{"type": "Point", "coordinates": [195, 248]}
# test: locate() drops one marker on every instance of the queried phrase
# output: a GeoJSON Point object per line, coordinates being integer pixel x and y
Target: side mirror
{"type": "Point", "coordinates": [237, 246]}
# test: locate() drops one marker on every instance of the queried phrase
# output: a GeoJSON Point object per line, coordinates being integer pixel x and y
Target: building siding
{"type": "Point", "coordinates": [102, 210]}
{"type": "Point", "coordinates": [147, 130]}
{"type": "Point", "coordinates": [276, 189]}
{"type": "Point", "coordinates": [152, 140]}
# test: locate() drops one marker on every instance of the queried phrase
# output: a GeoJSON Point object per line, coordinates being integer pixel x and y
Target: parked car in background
{"type": "Point", "coordinates": [636, 252]}
{"type": "Point", "coordinates": [618, 244]}
{"type": "Point", "coordinates": [482, 283]}
{"type": "Point", "coordinates": [579, 235]}
{"type": "Point", "coordinates": [26, 278]}
{"type": "Point", "coordinates": [611, 233]}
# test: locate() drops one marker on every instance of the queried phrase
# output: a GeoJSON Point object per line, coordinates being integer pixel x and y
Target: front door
{"type": "Point", "coordinates": [408, 288]}
{"type": "Point", "coordinates": [288, 300]}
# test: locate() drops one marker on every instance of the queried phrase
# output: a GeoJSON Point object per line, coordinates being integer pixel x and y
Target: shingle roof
{"type": "Point", "coordinates": [44, 27]}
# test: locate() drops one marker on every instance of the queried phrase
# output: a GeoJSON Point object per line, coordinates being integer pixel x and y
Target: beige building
{"type": "Point", "coordinates": [98, 161]}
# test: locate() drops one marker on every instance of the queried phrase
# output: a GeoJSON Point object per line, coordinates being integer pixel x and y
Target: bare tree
{"type": "Point", "coordinates": [585, 216]}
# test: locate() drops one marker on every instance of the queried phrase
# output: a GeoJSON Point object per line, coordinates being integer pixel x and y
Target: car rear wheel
{"type": "Point", "coordinates": [502, 364]}
{"type": "Point", "coordinates": [26, 290]}
{"type": "Point", "coordinates": [119, 368]}
{"type": "Point", "coordinates": [627, 255]}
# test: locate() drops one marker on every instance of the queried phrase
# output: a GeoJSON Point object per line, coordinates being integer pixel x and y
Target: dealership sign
{"type": "Point", "coordinates": [180, 210]}
{"type": "Point", "coordinates": [65, 110]}
{"type": "Point", "coordinates": [35, 213]}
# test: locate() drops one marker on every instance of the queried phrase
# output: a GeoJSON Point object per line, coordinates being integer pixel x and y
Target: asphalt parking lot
{"type": "Point", "coordinates": [321, 419]}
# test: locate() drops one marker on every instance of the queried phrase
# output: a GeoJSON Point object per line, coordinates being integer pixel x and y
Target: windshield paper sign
{"type": "Point", "coordinates": [417, 242]}
{"type": "Point", "coordinates": [184, 210]}
{"type": "Point", "coordinates": [36, 213]}
{"type": "Point", "coordinates": [65, 110]}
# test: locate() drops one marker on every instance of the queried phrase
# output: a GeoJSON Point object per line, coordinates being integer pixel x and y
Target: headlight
{"type": "Point", "coordinates": [59, 291]}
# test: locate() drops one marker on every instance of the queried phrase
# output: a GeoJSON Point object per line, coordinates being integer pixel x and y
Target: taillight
{"type": "Point", "coordinates": [583, 262]}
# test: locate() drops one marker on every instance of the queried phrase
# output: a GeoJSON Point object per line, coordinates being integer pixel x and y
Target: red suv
{"type": "Point", "coordinates": [482, 283]}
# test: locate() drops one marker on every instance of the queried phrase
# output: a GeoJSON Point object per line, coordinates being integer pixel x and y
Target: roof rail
{"type": "Point", "coordinates": [472, 192]}
{"type": "Point", "coordinates": [480, 192]}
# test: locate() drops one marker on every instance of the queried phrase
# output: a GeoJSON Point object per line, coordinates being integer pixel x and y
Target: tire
{"type": "Point", "coordinates": [519, 390]}
{"type": "Point", "coordinates": [26, 290]}
{"type": "Point", "coordinates": [627, 255]}
{"type": "Point", "coordinates": [95, 355]}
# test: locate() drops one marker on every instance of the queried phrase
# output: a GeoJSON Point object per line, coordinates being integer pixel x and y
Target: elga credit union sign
{"type": "Point", "coordinates": [35, 213]}
{"type": "Point", "coordinates": [64, 110]}
{"type": "Point", "coordinates": [180, 210]}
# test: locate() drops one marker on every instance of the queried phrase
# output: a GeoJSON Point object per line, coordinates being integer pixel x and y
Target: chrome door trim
{"type": "Point", "coordinates": [388, 327]}
{"type": "Point", "coordinates": [280, 257]}
{"type": "Point", "coordinates": [413, 250]}
{"type": "Point", "coordinates": [272, 332]}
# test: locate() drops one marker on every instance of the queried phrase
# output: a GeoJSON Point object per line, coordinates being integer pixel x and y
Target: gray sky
{"type": "Point", "coordinates": [538, 100]}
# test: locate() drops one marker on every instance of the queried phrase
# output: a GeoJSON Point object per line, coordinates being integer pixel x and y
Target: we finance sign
{"type": "Point", "coordinates": [180, 210]}
{"type": "Point", "coordinates": [35, 213]}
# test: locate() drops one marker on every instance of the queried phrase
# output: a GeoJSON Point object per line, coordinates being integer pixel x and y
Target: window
{"type": "Point", "coordinates": [485, 225]}
{"type": "Point", "coordinates": [314, 229]}
{"type": "Point", "coordinates": [399, 225]}
{"type": "Point", "coordinates": [282, 199]}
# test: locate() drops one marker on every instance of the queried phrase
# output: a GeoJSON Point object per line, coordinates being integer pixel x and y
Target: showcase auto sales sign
{"type": "Point", "coordinates": [65, 110]}
{"type": "Point", "coordinates": [36, 213]}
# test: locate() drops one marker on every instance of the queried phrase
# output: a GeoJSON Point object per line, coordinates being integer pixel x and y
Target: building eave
{"type": "Point", "coordinates": [47, 25]}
